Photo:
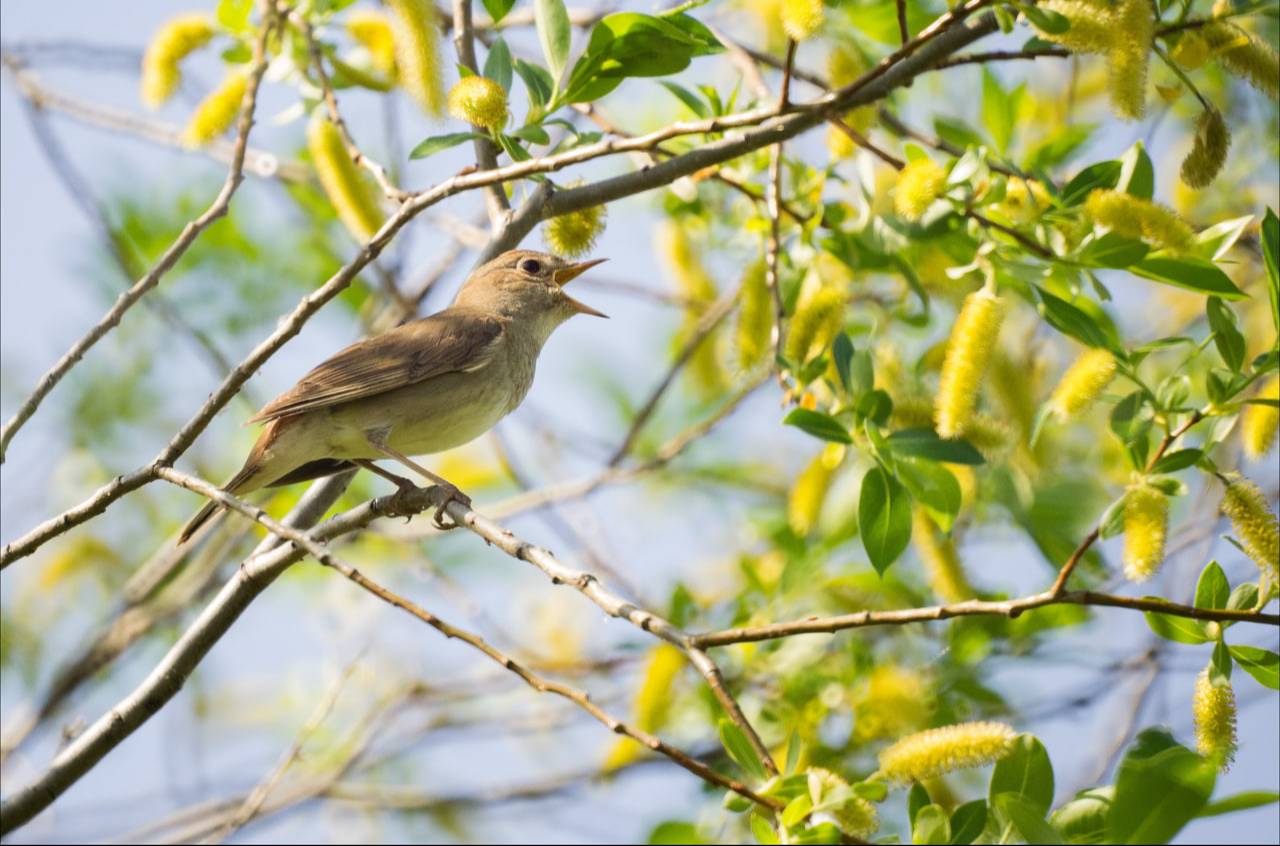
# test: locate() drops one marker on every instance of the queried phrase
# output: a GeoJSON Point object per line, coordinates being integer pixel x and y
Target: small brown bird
{"type": "Point", "coordinates": [424, 387]}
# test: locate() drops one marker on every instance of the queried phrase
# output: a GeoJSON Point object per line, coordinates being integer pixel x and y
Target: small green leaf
{"type": "Point", "coordinates": [1240, 802]}
{"type": "Point", "coordinates": [1026, 818]}
{"type": "Point", "coordinates": [925, 443]}
{"type": "Point", "coordinates": [1181, 459]}
{"type": "Point", "coordinates": [842, 354]}
{"type": "Point", "coordinates": [537, 82]}
{"type": "Point", "coordinates": [934, 487]}
{"type": "Point", "coordinates": [691, 100]}
{"type": "Point", "coordinates": [438, 143]}
{"type": "Point", "coordinates": [884, 518]}
{"type": "Point", "coordinates": [1226, 335]}
{"type": "Point", "coordinates": [1220, 665]}
{"type": "Point", "coordinates": [917, 798]}
{"type": "Point", "coordinates": [675, 832]}
{"type": "Point", "coordinates": [1262, 664]}
{"type": "Point", "coordinates": [1271, 258]}
{"type": "Point", "coordinates": [1244, 597]}
{"type": "Point", "coordinates": [497, 65]}
{"type": "Point", "coordinates": [797, 809]}
{"type": "Point", "coordinates": [1137, 176]}
{"type": "Point", "coordinates": [532, 134]}
{"type": "Point", "coordinates": [1045, 20]}
{"type": "Point", "coordinates": [931, 826]}
{"type": "Point", "coordinates": [552, 22]}
{"type": "Point", "coordinates": [819, 425]}
{"type": "Point", "coordinates": [1160, 786]}
{"type": "Point", "coordinates": [498, 9]}
{"type": "Point", "coordinates": [1026, 772]}
{"type": "Point", "coordinates": [1100, 175]}
{"type": "Point", "coordinates": [968, 822]}
{"type": "Point", "coordinates": [1084, 818]}
{"type": "Point", "coordinates": [1131, 417]}
{"type": "Point", "coordinates": [740, 750]}
{"type": "Point", "coordinates": [763, 831]}
{"type": "Point", "coordinates": [1212, 589]}
{"type": "Point", "coordinates": [1190, 273]}
{"type": "Point", "coordinates": [1112, 250]}
{"type": "Point", "coordinates": [1179, 629]}
{"type": "Point", "coordinates": [1072, 320]}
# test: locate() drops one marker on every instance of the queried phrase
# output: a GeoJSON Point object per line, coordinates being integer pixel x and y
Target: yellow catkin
{"type": "Point", "coordinates": [804, 505]}
{"type": "Point", "coordinates": [941, 750]}
{"type": "Point", "coordinates": [1134, 217]}
{"type": "Point", "coordinates": [990, 435]}
{"type": "Point", "coordinates": [817, 320]}
{"type": "Point", "coordinates": [1092, 26]}
{"type": "Point", "coordinates": [352, 194]}
{"type": "Point", "coordinates": [217, 112]}
{"type": "Point", "coordinates": [1259, 423]}
{"type": "Point", "coordinates": [161, 71]}
{"type": "Point", "coordinates": [1244, 54]}
{"type": "Point", "coordinates": [755, 316]}
{"type": "Point", "coordinates": [1253, 522]}
{"type": "Point", "coordinates": [479, 101]}
{"type": "Point", "coordinates": [941, 562]}
{"type": "Point", "coordinates": [575, 234]}
{"type": "Point", "coordinates": [1209, 152]}
{"type": "Point", "coordinates": [801, 19]}
{"type": "Point", "coordinates": [1146, 525]}
{"type": "Point", "coordinates": [1129, 56]}
{"type": "Point", "coordinates": [892, 702]}
{"type": "Point", "coordinates": [973, 337]}
{"type": "Point", "coordinates": [682, 258]}
{"type": "Point", "coordinates": [1024, 200]}
{"type": "Point", "coordinates": [416, 37]}
{"type": "Point", "coordinates": [1214, 709]}
{"type": "Point", "coordinates": [919, 184]}
{"type": "Point", "coordinates": [855, 816]}
{"type": "Point", "coordinates": [652, 703]}
{"type": "Point", "coordinates": [845, 65]}
{"type": "Point", "coordinates": [372, 31]}
{"type": "Point", "coordinates": [1083, 383]}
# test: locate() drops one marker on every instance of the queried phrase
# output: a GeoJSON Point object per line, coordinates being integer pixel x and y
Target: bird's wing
{"type": "Point", "coordinates": [456, 340]}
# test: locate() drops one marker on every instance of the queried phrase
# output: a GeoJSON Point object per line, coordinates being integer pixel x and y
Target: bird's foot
{"type": "Point", "coordinates": [441, 496]}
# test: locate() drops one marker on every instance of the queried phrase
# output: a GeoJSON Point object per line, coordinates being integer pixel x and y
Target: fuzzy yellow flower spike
{"type": "Point", "coordinates": [755, 316]}
{"type": "Point", "coordinates": [372, 31]}
{"type": "Point", "coordinates": [415, 32]}
{"type": "Point", "coordinates": [178, 37]}
{"type": "Point", "coordinates": [1083, 383]}
{"type": "Point", "coordinates": [1209, 152]}
{"type": "Point", "coordinates": [1134, 217]}
{"type": "Point", "coordinates": [817, 320]}
{"type": "Point", "coordinates": [973, 338]}
{"type": "Point", "coordinates": [804, 506]}
{"type": "Point", "coordinates": [1259, 423]}
{"type": "Point", "coordinates": [479, 101]}
{"type": "Point", "coordinates": [941, 562]}
{"type": "Point", "coordinates": [1253, 522]}
{"type": "Point", "coordinates": [1146, 525]}
{"type": "Point", "coordinates": [891, 702]}
{"type": "Point", "coordinates": [1214, 709]}
{"type": "Point", "coordinates": [855, 816]}
{"type": "Point", "coordinates": [941, 750]}
{"type": "Point", "coordinates": [919, 183]}
{"type": "Point", "coordinates": [353, 195]}
{"type": "Point", "coordinates": [1129, 57]}
{"type": "Point", "coordinates": [1092, 26]}
{"type": "Point", "coordinates": [1245, 55]}
{"type": "Point", "coordinates": [575, 234]}
{"type": "Point", "coordinates": [801, 19]}
{"type": "Point", "coordinates": [217, 112]}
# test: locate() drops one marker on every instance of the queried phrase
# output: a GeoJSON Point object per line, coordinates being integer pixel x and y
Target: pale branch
{"type": "Point", "coordinates": [950, 32]}
{"type": "Point", "coordinates": [495, 198]}
{"type": "Point", "coordinates": [176, 250]}
{"type": "Point", "coordinates": [773, 257]}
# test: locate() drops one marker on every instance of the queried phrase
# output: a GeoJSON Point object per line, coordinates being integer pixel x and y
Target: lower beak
{"type": "Point", "coordinates": [567, 274]}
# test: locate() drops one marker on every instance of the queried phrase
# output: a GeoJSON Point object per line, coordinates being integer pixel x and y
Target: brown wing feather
{"type": "Point", "coordinates": [454, 340]}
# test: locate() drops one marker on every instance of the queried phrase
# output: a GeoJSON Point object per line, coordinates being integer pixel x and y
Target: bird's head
{"type": "Point", "coordinates": [527, 286]}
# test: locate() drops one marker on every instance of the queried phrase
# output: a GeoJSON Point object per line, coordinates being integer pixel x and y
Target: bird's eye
{"type": "Point", "coordinates": [532, 266]}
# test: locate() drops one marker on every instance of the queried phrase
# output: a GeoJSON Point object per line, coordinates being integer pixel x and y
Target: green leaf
{"type": "Point", "coordinates": [957, 132]}
{"type": "Point", "coordinates": [630, 44]}
{"type": "Point", "coordinates": [842, 355]}
{"type": "Point", "coordinates": [884, 518]}
{"type": "Point", "coordinates": [797, 809]}
{"type": "Point", "coordinates": [532, 134]}
{"type": "Point", "coordinates": [1026, 817]}
{"type": "Point", "coordinates": [1262, 664]}
{"type": "Point", "coordinates": [1045, 20]}
{"type": "Point", "coordinates": [931, 825]}
{"type": "Point", "coordinates": [967, 822]}
{"type": "Point", "coordinates": [497, 65]}
{"type": "Point", "coordinates": [1131, 417]}
{"type": "Point", "coordinates": [552, 22]}
{"type": "Point", "coordinates": [1100, 175]}
{"type": "Point", "coordinates": [917, 798]}
{"type": "Point", "coordinates": [437, 143]}
{"type": "Point", "coordinates": [1160, 787]}
{"type": "Point", "coordinates": [1214, 242]}
{"type": "Point", "coordinates": [1244, 597]}
{"type": "Point", "coordinates": [1071, 320]}
{"type": "Point", "coordinates": [763, 831]}
{"type": "Point", "coordinates": [1177, 460]}
{"type": "Point", "coordinates": [1212, 589]}
{"type": "Point", "coordinates": [999, 109]}
{"type": "Point", "coordinates": [498, 9]}
{"type": "Point", "coordinates": [1112, 250]}
{"type": "Point", "coordinates": [925, 443]}
{"type": "Point", "coordinates": [739, 749]}
{"type": "Point", "coordinates": [233, 15]}
{"type": "Point", "coordinates": [1179, 629]}
{"type": "Point", "coordinates": [1137, 176]}
{"type": "Point", "coordinates": [1226, 335]}
{"type": "Point", "coordinates": [822, 833]}
{"type": "Point", "coordinates": [1026, 772]}
{"type": "Point", "coordinates": [1084, 819]}
{"type": "Point", "coordinates": [1240, 802]}
{"type": "Point", "coordinates": [536, 81]}
{"type": "Point", "coordinates": [1271, 258]}
{"type": "Point", "coordinates": [1220, 665]}
{"type": "Point", "coordinates": [1192, 274]}
{"type": "Point", "coordinates": [819, 425]}
{"type": "Point", "coordinates": [694, 103]}
{"type": "Point", "coordinates": [934, 487]}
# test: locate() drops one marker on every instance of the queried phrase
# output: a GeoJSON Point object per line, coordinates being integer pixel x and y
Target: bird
{"type": "Point", "coordinates": [424, 387]}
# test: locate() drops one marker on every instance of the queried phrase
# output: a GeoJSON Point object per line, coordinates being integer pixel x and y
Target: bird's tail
{"type": "Point", "coordinates": [236, 484]}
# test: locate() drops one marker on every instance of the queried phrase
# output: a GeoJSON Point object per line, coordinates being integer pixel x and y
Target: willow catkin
{"type": "Point", "coordinates": [1259, 423]}
{"type": "Point", "coordinates": [755, 316]}
{"type": "Point", "coordinates": [372, 31]}
{"type": "Point", "coordinates": [1209, 152]}
{"type": "Point", "coordinates": [1129, 57]}
{"type": "Point", "coordinates": [1092, 26]}
{"type": "Point", "coordinates": [352, 194]}
{"type": "Point", "coordinates": [161, 64]}
{"type": "Point", "coordinates": [919, 183]}
{"type": "Point", "coordinates": [1083, 383]}
{"type": "Point", "coordinates": [575, 234]}
{"type": "Point", "coordinates": [809, 492]}
{"type": "Point", "coordinates": [801, 19]}
{"type": "Point", "coordinates": [1253, 522]}
{"type": "Point", "coordinates": [1244, 54]}
{"type": "Point", "coordinates": [855, 816]}
{"type": "Point", "coordinates": [479, 101]}
{"type": "Point", "coordinates": [942, 750]}
{"type": "Point", "coordinates": [1025, 200]}
{"type": "Point", "coordinates": [217, 112]}
{"type": "Point", "coordinates": [941, 562]}
{"type": "Point", "coordinates": [845, 65]}
{"type": "Point", "coordinates": [973, 338]}
{"type": "Point", "coordinates": [1214, 708]}
{"type": "Point", "coordinates": [892, 701]}
{"type": "Point", "coordinates": [705, 368]}
{"type": "Point", "coordinates": [416, 37]}
{"type": "Point", "coordinates": [1146, 526]}
{"type": "Point", "coordinates": [1134, 217]}
{"type": "Point", "coordinates": [817, 320]}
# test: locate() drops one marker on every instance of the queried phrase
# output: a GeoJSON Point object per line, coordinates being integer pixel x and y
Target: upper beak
{"type": "Point", "coordinates": [567, 274]}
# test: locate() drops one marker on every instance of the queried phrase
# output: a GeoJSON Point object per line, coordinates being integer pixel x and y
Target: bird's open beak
{"type": "Point", "coordinates": [567, 274]}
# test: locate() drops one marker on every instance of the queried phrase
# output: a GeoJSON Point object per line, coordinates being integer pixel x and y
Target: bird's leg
{"type": "Point", "coordinates": [445, 491]}
{"type": "Point", "coordinates": [401, 483]}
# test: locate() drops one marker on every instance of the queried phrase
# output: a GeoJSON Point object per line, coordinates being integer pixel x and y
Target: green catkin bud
{"type": "Point", "coordinates": [1092, 26]}
{"type": "Point", "coordinates": [1083, 382]}
{"type": "Point", "coordinates": [575, 234]}
{"type": "Point", "coordinates": [1209, 153]}
{"type": "Point", "coordinates": [1214, 709]}
{"type": "Point", "coordinates": [352, 194]}
{"type": "Point", "coordinates": [372, 31]}
{"type": "Point", "coordinates": [1259, 423]}
{"type": "Point", "coordinates": [217, 112]}
{"type": "Point", "coordinates": [919, 184]}
{"type": "Point", "coordinates": [479, 101]}
{"type": "Point", "coordinates": [1146, 525]}
{"type": "Point", "coordinates": [801, 18]}
{"type": "Point", "coordinates": [938, 751]}
{"type": "Point", "coordinates": [1254, 523]}
{"type": "Point", "coordinates": [810, 490]}
{"type": "Point", "coordinates": [416, 37]}
{"type": "Point", "coordinates": [1134, 217]}
{"type": "Point", "coordinates": [1245, 55]}
{"type": "Point", "coordinates": [1129, 56]}
{"type": "Point", "coordinates": [973, 338]}
{"type": "Point", "coordinates": [817, 320]}
{"type": "Point", "coordinates": [941, 562]}
{"type": "Point", "coordinates": [755, 316]}
{"type": "Point", "coordinates": [178, 37]}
